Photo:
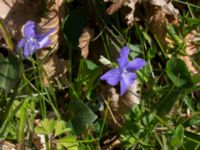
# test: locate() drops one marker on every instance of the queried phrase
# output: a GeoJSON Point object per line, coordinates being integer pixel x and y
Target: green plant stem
{"type": "Point", "coordinates": [6, 36]}
{"type": "Point", "coordinates": [103, 25]}
{"type": "Point", "coordinates": [104, 119]}
{"type": "Point", "coordinates": [8, 112]}
{"type": "Point", "coordinates": [22, 125]}
{"type": "Point", "coordinates": [186, 3]}
{"type": "Point", "coordinates": [43, 96]}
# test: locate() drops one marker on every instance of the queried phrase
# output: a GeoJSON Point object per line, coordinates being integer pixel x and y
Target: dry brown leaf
{"type": "Point", "coordinates": [39, 141]}
{"type": "Point", "coordinates": [113, 118]}
{"type": "Point", "coordinates": [166, 6]}
{"type": "Point", "coordinates": [118, 105]}
{"type": "Point", "coordinates": [52, 65]}
{"type": "Point", "coordinates": [159, 19]}
{"type": "Point", "coordinates": [53, 21]}
{"type": "Point", "coordinates": [111, 143]}
{"type": "Point", "coordinates": [158, 2]}
{"type": "Point", "coordinates": [129, 17]}
{"type": "Point", "coordinates": [161, 13]}
{"type": "Point", "coordinates": [115, 6]}
{"type": "Point", "coordinates": [113, 1]}
{"type": "Point", "coordinates": [130, 98]}
{"type": "Point", "coordinates": [191, 45]}
{"type": "Point", "coordinates": [5, 6]}
{"type": "Point", "coordinates": [84, 41]}
{"type": "Point", "coordinates": [17, 12]}
{"type": "Point", "coordinates": [114, 144]}
{"type": "Point", "coordinates": [20, 11]}
{"type": "Point", "coordinates": [158, 26]}
{"type": "Point", "coordinates": [191, 49]}
{"type": "Point", "coordinates": [189, 64]}
{"type": "Point", "coordinates": [5, 145]}
{"type": "Point", "coordinates": [170, 10]}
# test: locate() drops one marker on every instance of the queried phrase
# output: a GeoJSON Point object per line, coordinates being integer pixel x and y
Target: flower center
{"type": "Point", "coordinates": [33, 39]}
{"type": "Point", "coordinates": [124, 72]}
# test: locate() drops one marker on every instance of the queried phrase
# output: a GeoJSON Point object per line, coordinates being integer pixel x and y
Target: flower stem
{"type": "Point", "coordinates": [6, 36]}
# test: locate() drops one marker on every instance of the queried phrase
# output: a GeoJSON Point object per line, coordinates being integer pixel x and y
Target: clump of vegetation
{"type": "Point", "coordinates": [99, 74]}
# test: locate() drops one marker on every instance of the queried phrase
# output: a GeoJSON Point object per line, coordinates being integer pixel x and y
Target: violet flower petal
{"type": "Point", "coordinates": [126, 71]}
{"type": "Point", "coordinates": [30, 47]}
{"type": "Point", "coordinates": [136, 64]}
{"type": "Point", "coordinates": [29, 29]}
{"type": "Point", "coordinates": [27, 51]}
{"type": "Point", "coordinates": [45, 42]}
{"type": "Point", "coordinates": [112, 77]}
{"type": "Point", "coordinates": [123, 59]}
{"type": "Point", "coordinates": [126, 81]}
{"type": "Point", "coordinates": [32, 40]}
{"type": "Point", "coordinates": [20, 44]}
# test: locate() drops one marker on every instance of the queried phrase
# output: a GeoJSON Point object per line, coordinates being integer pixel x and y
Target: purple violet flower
{"type": "Point", "coordinates": [32, 39]}
{"type": "Point", "coordinates": [125, 73]}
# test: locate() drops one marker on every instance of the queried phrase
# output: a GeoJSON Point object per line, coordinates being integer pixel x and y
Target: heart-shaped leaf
{"type": "Point", "coordinates": [82, 115]}
{"type": "Point", "coordinates": [10, 69]}
{"type": "Point", "coordinates": [177, 71]}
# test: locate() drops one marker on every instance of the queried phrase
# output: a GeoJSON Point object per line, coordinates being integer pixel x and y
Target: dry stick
{"type": "Point", "coordinates": [6, 36]}
{"type": "Point", "coordinates": [111, 113]}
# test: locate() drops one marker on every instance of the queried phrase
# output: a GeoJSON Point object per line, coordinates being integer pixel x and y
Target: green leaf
{"type": "Point", "coordinates": [10, 70]}
{"type": "Point", "coordinates": [82, 115]}
{"type": "Point", "coordinates": [195, 120]}
{"type": "Point", "coordinates": [60, 128]}
{"type": "Point", "coordinates": [41, 130]}
{"type": "Point", "coordinates": [196, 78]}
{"type": "Point", "coordinates": [177, 71]}
{"type": "Point", "coordinates": [193, 23]}
{"type": "Point", "coordinates": [73, 26]}
{"type": "Point", "coordinates": [47, 127]}
{"type": "Point", "coordinates": [151, 53]}
{"type": "Point", "coordinates": [191, 145]}
{"type": "Point", "coordinates": [172, 33]}
{"type": "Point", "coordinates": [87, 78]}
{"type": "Point", "coordinates": [87, 70]}
{"type": "Point", "coordinates": [147, 37]}
{"type": "Point", "coordinates": [22, 122]}
{"type": "Point", "coordinates": [68, 142]}
{"type": "Point", "coordinates": [135, 50]}
{"type": "Point", "coordinates": [188, 102]}
{"type": "Point", "coordinates": [177, 138]}
{"type": "Point", "coordinates": [90, 65]}
{"type": "Point", "coordinates": [169, 98]}
{"type": "Point", "coordinates": [193, 137]}
{"type": "Point", "coordinates": [166, 102]}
